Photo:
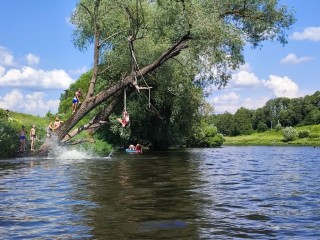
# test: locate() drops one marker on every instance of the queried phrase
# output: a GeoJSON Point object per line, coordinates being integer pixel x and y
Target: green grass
{"type": "Point", "coordinates": [18, 119]}
{"type": "Point", "coordinates": [273, 137]}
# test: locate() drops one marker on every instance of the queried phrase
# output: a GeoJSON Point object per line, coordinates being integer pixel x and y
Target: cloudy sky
{"type": "Point", "coordinates": [274, 70]}
{"type": "Point", "coordinates": [38, 60]}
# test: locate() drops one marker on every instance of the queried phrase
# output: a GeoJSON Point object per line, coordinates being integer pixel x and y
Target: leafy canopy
{"type": "Point", "coordinates": [217, 31]}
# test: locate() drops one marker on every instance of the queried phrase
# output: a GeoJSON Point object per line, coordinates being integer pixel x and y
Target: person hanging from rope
{"type": "Point", "coordinates": [76, 100]}
{"type": "Point", "coordinates": [125, 120]}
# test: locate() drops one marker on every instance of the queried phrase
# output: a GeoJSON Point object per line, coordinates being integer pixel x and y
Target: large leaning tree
{"type": "Point", "coordinates": [134, 39]}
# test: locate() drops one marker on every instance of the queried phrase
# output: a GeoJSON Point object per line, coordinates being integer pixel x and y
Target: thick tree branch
{"type": "Point", "coordinates": [97, 121]}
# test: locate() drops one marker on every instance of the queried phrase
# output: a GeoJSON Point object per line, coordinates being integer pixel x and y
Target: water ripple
{"type": "Point", "coordinates": [224, 193]}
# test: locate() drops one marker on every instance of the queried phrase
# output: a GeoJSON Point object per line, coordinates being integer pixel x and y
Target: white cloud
{"type": "Point", "coordinates": [293, 59]}
{"type": "Point", "coordinates": [6, 58]}
{"type": "Point", "coordinates": [282, 87]}
{"type": "Point", "coordinates": [78, 71]}
{"type": "Point", "coordinates": [12, 99]}
{"type": "Point", "coordinates": [251, 103]}
{"type": "Point", "coordinates": [33, 103]}
{"type": "Point", "coordinates": [310, 33]}
{"type": "Point", "coordinates": [245, 79]}
{"type": "Point", "coordinates": [231, 102]}
{"type": "Point", "coordinates": [32, 59]}
{"type": "Point", "coordinates": [226, 102]}
{"type": "Point", "coordinates": [35, 78]}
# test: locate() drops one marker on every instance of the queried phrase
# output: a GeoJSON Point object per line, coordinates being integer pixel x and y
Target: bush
{"type": "Point", "coordinates": [99, 148]}
{"type": "Point", "coordinates": [9, 141]}
{"type": "Point", "coordinates": [289, 134]}
{"type": "Point", "coordinates": [207, 137]}
{"type": "Point", "coordinates": [278, 127]}
{"type": "Point", "coordinates": [304, 133]}
{"type": "Point", "coordinates": [262, 127]}
{"type": "Point", "coordinates": [216, 141]}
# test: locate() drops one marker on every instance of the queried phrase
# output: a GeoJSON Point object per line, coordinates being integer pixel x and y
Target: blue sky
{"type": "Point", "coordinates": [38, 60]}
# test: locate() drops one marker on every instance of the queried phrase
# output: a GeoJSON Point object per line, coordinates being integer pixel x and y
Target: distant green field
{"type": "Point", "coordinates": [273, 137]}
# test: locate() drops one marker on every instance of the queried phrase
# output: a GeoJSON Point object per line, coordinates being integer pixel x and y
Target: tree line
{"type": "Point", "coordinates": [279, 111]}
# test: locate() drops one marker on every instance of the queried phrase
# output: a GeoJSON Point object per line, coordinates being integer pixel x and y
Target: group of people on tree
{"type": "Point", "coordinates": [53, 126]}
{"type": "Point", "coordinates": [125, 120]}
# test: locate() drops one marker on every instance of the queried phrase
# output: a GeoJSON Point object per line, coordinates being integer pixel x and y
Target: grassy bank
{"type": "Point", "coordinates": [18, 119]}
{"type": "Point", "coordinates": [273, 137]}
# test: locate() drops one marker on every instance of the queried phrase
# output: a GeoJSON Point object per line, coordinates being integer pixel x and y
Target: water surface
{"type": "Point", "coordinates": [221, 193]}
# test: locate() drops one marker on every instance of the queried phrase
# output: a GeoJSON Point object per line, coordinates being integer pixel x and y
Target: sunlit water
{"type": "Point", "coordinates": [223, 193]}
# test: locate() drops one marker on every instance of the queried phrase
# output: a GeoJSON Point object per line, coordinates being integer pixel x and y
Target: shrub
{"type": "Point", "coordinates": [278, 127]}
{"type": "Point", "coordinates": [216, 141]}
{"type": "Point", "coordinates": [9, 141]}
{"type": "Point", "coordinates": [289, 134]}
{"type": "Point", "coordinates": [207, 137]}
{"type": "Point", "coordinates": [304, 133]}
{"type": "Point", "coordinates": [262, 127]}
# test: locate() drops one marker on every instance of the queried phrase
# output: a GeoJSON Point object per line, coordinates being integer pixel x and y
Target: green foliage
{"type": "Point", "coordinates": [290, 112]}
{"type": "Point", "coordinates": [207, 136]}
{"type": "Point", "coordinates": [289, 134]}
{"type": "Point", "coordinates": [99, 148]}
{"type": "Point", "coordinates": [278, 127]}
{"type": "Point", "coordinates": [65, 106]}
{"type": "Point", "coordinates": [225, 124]}
{"type": "Point", "coordinates": [242, 119]}
{"type": "Point", "coordinates": [304, 133]}
{"type": "Point", "coordinates": [262, 127]}
{"type": "Point", "coordinates": [12, 126]}
{"type": "Point", "coordinates": [9, 143]}
{"type": "Point", "coordinates": [314, 136]}
{"type": "Point", "coordinates": [214, 30]}
{"type": "Point", "coordinates": [273, 137]}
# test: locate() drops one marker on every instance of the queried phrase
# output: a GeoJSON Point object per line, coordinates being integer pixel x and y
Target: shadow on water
{"type": "Point", "coordinates": [225, 193]}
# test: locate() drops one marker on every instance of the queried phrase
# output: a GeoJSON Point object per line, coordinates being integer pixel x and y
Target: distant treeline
{"type": "Point", "coordinates": [278, 112]}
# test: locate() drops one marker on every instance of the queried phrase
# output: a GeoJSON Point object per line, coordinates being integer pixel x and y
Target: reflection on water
{"type": "Point", "coordinates": [224, 193]}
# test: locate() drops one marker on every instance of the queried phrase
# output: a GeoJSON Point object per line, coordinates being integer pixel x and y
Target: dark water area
{"type": "Point", "coordinates": [222, 193]}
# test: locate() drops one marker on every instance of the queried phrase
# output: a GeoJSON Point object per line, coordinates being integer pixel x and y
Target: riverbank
{"type": "Point", "coordinates": [273, 137]}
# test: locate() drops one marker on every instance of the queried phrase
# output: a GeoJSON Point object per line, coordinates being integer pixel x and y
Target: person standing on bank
{"type": "Point", "coordinates": [22, 138]}
{"type": "Point", "coordinates": [33, 136]}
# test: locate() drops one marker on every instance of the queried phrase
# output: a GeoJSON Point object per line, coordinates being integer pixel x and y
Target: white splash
{"type": "Point", "coordinates": [67, 153]}
{"type": "Point", "coordinates": [73, 154]}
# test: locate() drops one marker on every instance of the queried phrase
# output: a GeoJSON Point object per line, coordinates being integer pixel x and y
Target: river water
{"type": "Point", "coordinates": [221, 193]}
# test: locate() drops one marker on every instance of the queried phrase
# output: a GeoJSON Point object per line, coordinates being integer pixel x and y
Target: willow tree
{"type": "Point", "coordinates": [133, 39]}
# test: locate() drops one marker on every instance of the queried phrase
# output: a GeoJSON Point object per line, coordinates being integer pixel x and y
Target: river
{"type": "Point", "coordinates": [221, 193]}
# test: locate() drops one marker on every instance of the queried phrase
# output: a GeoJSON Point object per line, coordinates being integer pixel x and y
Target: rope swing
{"type": "Point", "coordinates": [125, 99]}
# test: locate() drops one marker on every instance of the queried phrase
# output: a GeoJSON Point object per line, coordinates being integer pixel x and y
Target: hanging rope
{"type": "Point", "coordinates": [147, 86]}
{"type": "Point", "coordinates": [125, 99]}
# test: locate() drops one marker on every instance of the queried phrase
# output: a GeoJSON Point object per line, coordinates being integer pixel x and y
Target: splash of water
{"type": "Point", "coordinates": [67, 153]}
{"type": "Point", "coordinates": [73, 154]}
